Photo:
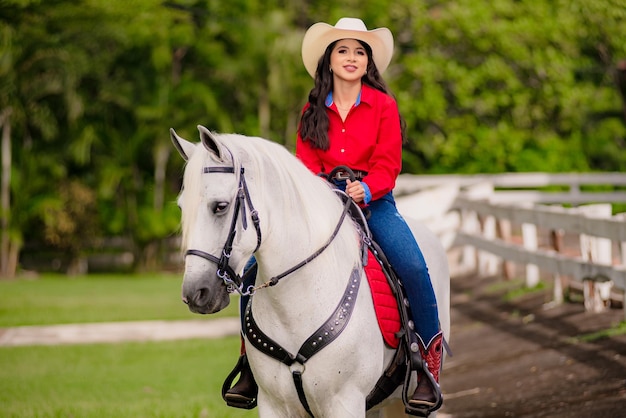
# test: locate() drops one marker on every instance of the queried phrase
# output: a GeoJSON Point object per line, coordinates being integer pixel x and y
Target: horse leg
{"type": "Point", "coordinates": [345, 406]}
{"type": "Point", "coordinates": [394, 410]}
{"type": "Point", "coordinates": [273, 407]}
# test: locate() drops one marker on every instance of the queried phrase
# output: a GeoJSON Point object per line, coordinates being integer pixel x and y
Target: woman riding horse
{"type": "Point", "coordinates": [351, 119]}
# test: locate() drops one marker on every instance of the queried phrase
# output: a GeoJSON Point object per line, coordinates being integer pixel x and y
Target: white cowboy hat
{"type": "Point", "coordinates": [320, 35]}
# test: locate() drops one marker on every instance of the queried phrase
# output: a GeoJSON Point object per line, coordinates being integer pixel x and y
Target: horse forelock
{"type": "Point", "coordinates": [190, 194]}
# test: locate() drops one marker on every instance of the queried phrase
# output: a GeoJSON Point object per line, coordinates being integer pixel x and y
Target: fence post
{"type": "Point", "coordinates": [488, 263]}
{"type": "Point", "coordinates": [556, 240]}
{"type": "Point", "coordinates": [597, 293]}
{"type": "Point", "coordinates": [470, 222]}
{"type": "Point", "coordinates": [529, 235]}
{"type": "Point", "coordinates": [505, 231]}
{"type": "Point", "coordinates": [622, 259]}
{"type": "Point", "coordinates": [469, 225]}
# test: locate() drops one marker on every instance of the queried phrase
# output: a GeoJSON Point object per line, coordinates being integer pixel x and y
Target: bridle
{"type": "Point", "coordinates": [232, 280]}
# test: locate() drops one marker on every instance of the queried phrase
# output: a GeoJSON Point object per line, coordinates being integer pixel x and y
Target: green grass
{"type": "Point", "coordinates": [500, 286]}
{"type": "Point", "coordinates": [56, 299]}
{"type": "Point", "coordinates": [151, 379]}
{"type": "Point", "coordinates": [169, 379]}
{"type": "Point", "coordinates": [514, 289]}
{"type": "Point", "coordinates": [515, 294]}
{"type": "Point", "coordinates": [619, 329]}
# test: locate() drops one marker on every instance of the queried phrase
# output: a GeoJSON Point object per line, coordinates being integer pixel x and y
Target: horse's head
{"type": "Point", "coordinates": [216, 239]}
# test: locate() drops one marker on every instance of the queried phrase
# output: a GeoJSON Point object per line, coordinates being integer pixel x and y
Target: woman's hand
{"type": "Point", "coordinates": [355, 190]}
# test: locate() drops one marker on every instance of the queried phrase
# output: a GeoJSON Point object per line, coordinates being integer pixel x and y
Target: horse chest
{"type": "Point", "coordinates": [330, 329]}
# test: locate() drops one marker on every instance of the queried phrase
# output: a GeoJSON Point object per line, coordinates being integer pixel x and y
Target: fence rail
{"type": "Point", "coordinates": [498, 222]}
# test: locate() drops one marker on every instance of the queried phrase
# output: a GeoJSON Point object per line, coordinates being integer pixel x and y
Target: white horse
{"type": "Point", "coordinates": [246, 195]}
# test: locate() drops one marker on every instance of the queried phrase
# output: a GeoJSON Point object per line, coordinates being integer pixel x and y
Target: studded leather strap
{"type": "Point", "coordinates": [323, 336]}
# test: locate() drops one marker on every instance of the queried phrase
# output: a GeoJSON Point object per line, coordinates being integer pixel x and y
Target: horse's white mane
{"type": "Point", "coordinates": [272, 171]}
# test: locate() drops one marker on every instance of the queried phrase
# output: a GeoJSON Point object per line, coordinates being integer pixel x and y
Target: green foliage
{"type": "Point", "coordinates": [501, 86]}
{"type": "Point", "coordinates": [70, 223]}
{"type": "Point", "coordinates": [507, 87]}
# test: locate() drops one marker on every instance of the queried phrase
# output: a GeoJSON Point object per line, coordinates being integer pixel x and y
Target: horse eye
{"type": "Point", "coordinates": [219, 207]}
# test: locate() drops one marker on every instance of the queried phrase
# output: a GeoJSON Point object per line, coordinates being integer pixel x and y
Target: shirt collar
{"type": "Point", "coordinates": [329, 99]}
{"type": "Point", "coordinates": [366, 95]}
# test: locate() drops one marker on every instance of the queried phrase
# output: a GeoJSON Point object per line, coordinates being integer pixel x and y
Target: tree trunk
{"type": "Point", "coordinates": [264, 113]}
{"type": "Point", "coordinates": [7, 268]}
{"type": "Point", "coordinates": [78, 266]}
{"type": "Point", "coordinates": [162, 154]}
{"type": "Point", "coordinates": [620, 80]}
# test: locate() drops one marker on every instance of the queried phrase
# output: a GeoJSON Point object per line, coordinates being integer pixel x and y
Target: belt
{"type": "Point", "coordinates": [344, 175]}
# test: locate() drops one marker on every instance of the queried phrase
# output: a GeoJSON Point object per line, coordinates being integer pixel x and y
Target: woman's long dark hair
{"type": "Point", "coordinates": [314, 121]}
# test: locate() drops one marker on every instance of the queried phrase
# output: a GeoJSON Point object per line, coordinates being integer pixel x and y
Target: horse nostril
{"type": "Point", "coordinates": [197, 299]}
{"type": "Point", "coordinates": [203, 294]}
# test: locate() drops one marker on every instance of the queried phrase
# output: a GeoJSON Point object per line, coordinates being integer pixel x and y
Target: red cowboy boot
{"type": "Point", "coordinates": [244, 393]}
{"type": "Point", "coordinates": [428, 393]}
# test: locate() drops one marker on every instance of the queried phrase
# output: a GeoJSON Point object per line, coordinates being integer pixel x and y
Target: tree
{"type": "Point", "coordinates": [500, 87]}
{"type": "Point", "coordinates": [90, 88]}
{"type": "Point", "coordinates": [39, 87]}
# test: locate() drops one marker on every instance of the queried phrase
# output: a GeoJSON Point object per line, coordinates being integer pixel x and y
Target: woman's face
{"type": "Point", "coordinates": [348, 60]}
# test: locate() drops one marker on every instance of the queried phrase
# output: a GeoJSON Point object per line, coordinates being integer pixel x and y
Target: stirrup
{"type": "Point", "coordinates": [237, 400]}
{"type": "Point", "coordinates": [423, 407]}
{"type": "Point", "coordinates": [420, 358]}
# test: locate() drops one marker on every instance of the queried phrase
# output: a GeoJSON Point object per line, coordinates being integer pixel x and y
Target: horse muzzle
{"type": "Point", "coordinates": [204, 298]}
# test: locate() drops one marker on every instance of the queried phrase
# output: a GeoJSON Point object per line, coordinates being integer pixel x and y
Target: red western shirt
{"type": "Point", "coordinates": [368, 140]}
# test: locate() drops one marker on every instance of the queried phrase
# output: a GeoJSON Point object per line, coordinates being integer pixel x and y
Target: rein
{"type": "Point", "coordinates": [232, 280]}
{"type": "Point", "coordinates": [274, 280]}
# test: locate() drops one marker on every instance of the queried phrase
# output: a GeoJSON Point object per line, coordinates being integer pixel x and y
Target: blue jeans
{"type": "Point", "coordinates": [395, 238]}
{"type": "Point", "coordinates": [243, 302]}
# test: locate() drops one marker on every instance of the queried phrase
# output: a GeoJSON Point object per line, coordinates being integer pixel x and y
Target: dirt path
{"type": "Point", "coordinates": [119, 331]}
{"type": "Point", "coordinates": [521, 359]}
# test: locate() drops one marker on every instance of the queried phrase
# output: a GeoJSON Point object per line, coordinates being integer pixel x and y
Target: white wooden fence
{"type": "Point", "coordinates": [492, 224]}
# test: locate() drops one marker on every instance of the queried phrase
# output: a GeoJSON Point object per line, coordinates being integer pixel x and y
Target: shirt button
{"type": "Point", "coordinates": [343, 130]}
{"type": "Point", "coordinates": [343, 150]}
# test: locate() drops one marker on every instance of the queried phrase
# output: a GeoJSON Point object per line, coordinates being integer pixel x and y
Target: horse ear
{"type": "Point", "coordinates": [210, 142]}
{"type": "Point", "coordinates": [184, 147]}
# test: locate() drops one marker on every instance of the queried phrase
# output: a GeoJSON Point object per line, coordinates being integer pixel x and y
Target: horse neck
{"type": "Point", "coordinates": [296, 241]}
{"type": "Point", "coordinates": [300, 215]}
{"type": "Point", "coordinates": [313, 291]}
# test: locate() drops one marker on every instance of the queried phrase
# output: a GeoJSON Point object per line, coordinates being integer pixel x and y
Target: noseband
{"type": "Point", "coordinates": [231, 279]}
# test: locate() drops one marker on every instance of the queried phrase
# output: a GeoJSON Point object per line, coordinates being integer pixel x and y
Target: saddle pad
{"type": "Point", "coordinates": [384, 301]}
